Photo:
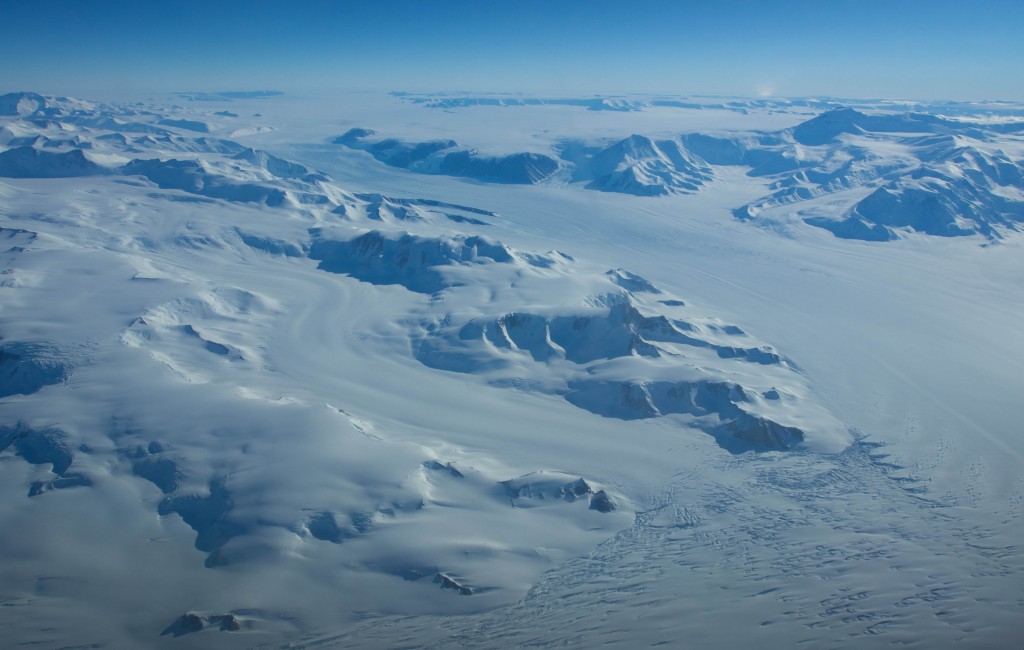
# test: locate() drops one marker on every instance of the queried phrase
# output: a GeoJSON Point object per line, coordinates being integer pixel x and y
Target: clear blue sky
{"type": "Point", "coordinates": [854, 48]}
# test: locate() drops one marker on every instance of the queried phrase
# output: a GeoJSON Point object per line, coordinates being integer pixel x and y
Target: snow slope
{"type": "Point", "coordinates": [276, 391]}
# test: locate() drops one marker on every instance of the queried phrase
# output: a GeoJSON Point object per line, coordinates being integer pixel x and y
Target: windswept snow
{"type": "Point", "coordinates": [262, 385]}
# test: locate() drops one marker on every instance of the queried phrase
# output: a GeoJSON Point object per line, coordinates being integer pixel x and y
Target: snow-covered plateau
{"type": "Point", "coordinates": [367, 371]}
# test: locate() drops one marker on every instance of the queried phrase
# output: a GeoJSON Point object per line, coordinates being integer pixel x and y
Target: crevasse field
{"type": "Point", "coordinates": [370, 370]}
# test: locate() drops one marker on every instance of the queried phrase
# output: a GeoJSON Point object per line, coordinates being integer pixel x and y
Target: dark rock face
{"type": "Point", "coordinates": [42, 447]}
{"type": "Point", "coordinates": [187, 623]}
{"type": "Point", "coordinates": [38, 446]}
{"type": "Point", "coordinates": [193, 177]}
{"type": "Point", "coordinates": [227, 622]}
{"type": "Point", "coordinates": [601, 502]}
{"type": "Point", "coordinates": [438, 467]}
{"type": "Point", "coordinates": [23, 104]}
{"type": "Point", "coordinates": [416, 263]}
{"type": "Point", "coordinates": [448, 583]}
{"type": "Point", "coordinates": [208, 516]}
{"type": "Point", "coordinates": [61, 482]}
{"type": "Point", "coordinates": [27, 367]}
{"type": "Point", "coordinates": [519, 169]}
{"type": "Point", "coordinates": [28, 162]}
{"type": "Point", "coordinates": [437, 157]}
{"type": "Point", "coordinates": [323, 526]}
{"type": "Point", "coordinates": [738, 429]}
{"type": "Point", "coordinates": [161, 472]}
{"type": "Point", "coordinates": [190, 623]}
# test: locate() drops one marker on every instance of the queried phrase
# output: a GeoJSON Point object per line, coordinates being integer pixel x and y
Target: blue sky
{"type": "Point", "coordinates": [935, 49]}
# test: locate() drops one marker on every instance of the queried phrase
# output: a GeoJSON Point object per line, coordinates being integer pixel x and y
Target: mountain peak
{"type": "Point", "coordinates": [21, 103]}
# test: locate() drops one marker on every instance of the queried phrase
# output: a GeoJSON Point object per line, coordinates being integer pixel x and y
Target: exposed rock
{"type": "Point", "coordinates": [227, 622]}
{"type": "Point", "coordinates": [447, 467]}
{"type": "Point", "coordinates": [27, 367]}
{"type": "Point", "coordinates": [29, 162]}
{"type": "Point", "coordinates": [448, 583]}
{"type": "Point", "coordinates": [601, 502]}
{"type": "Point", "coordinates": [187, 623]}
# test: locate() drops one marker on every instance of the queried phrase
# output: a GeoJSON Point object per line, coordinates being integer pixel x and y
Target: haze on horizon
{"type": "Point", "coordinates": [899, 49]}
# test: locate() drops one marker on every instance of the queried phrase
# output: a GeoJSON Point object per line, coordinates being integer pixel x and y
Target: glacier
{"type": "Point", "coordinates": [518, 371]}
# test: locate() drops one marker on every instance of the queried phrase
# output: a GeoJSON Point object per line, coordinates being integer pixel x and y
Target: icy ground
{"type": "Point", "coordinates": [438, 371]}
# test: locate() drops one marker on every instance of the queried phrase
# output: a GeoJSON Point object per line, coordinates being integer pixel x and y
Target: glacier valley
{"type": "Point", "coordinates": [446, 370]}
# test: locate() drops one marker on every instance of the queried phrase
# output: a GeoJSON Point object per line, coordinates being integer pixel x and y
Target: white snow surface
{"type": "Point", "coordinates": [258, 389]}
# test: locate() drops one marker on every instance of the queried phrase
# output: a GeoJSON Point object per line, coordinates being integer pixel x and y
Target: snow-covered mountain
{"type": "Point", "coordinates": [924, 174]}
{"type": "Point", "coordinates": [642, 167]}
{"type": "Point", "coordinates": [258, 388]}
{"type": "Point", "coordinates": [929, 174]}
{"type": "Point", "coordinates": [446, 157]}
